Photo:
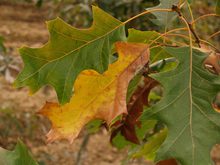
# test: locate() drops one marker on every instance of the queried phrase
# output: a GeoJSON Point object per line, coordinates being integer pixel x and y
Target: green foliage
{"type": "Point", "coordinates": [19, 156]}
{"type": "Point", "coordinates": [94, 126]}
{"type": "Point", "coordinates": [120, 142]}
{"type": "Point", "coordinates": [149, 37]}
{"type": "Point", "coordinates": [186, 109]}
{"type": "Point", "coordinates": [183, 125]}
{"type": "Point", "coordinates": [148, 149]}
{"type": "Point", "coordinates": [164, 19]}
{"type": "Point", "coordinates": [68, 52]}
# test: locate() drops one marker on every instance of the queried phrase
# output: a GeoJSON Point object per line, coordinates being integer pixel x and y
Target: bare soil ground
{"type": "Point", "coordinates": [25, 25]}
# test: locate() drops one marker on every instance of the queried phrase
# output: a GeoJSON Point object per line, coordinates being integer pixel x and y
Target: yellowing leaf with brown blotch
{"type": "Point", "coordinates": [97, 96]}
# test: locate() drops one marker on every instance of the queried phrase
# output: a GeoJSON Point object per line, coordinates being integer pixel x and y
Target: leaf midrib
{"type": "Point", "coordinates": [191, 102]}
{"type": "Point", "coordinates": [69, 53]}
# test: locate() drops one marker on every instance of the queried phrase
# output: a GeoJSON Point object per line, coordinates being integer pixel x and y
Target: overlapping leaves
{"type": "Point", "coordinates": [127, 126]}
{"type": "Point", "coordinates": [164, 19]}
{"type": "Point", "coordinates": [68, 52]}
{"type": "Point", "coordinates": [97, 96]}
{"type": "Point", "coordinates": [186, 109]}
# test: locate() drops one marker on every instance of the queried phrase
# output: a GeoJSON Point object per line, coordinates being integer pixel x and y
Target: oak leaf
{"type": "Point", "coordinates": [165, 19]}
{"type": "Point", "coordinates": [97, 96]}
{"type": "Point", "coordinates": [135, 107]}
{"type": "Point", "coordinates": [68, 52]}
{"type": "Point", "coordinates": [186, 109]}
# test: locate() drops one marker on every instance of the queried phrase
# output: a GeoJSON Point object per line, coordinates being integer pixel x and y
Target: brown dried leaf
{"type": "Point", "coordinates": [135, 108]}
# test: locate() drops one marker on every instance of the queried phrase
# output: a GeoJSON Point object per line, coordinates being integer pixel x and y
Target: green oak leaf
{"type": "Point", "coordinates": [148, 149]}
{"type": "Point", "coordinates": [143, 36]}
{"type": "Point", "coordinates": [164, 19]}
{"type": "Point", "coordinates": [186, 109]}
{"type": "Point", "coordinates": [19, 156]}
{"type": "Point", "coordinates": [68, 52]}
{"type": "Point", "coordinates": [157, 52]}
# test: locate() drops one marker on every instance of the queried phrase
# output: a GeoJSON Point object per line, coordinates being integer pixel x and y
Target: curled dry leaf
{"type": "Point", "coordinates": [212, 63]}
{"type": "Point", "coordinates": [135, 108]}
{"type": "Point", "coordinates": [97, 96]}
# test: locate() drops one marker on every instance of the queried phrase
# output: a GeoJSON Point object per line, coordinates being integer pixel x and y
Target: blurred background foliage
{"type": "Point", "coordinates": [78, 13]}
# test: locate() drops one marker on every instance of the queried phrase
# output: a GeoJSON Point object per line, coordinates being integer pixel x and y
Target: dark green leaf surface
{"type": "Point", "coordinates": [148, 149]}
{"type": "Point", "coordinates": [186, 109]}
{"type": "Point", "coordinates": [20, 156]}
{"type": "Point", "coordinates": [68, 52]}
{"type": "Point", "coordinates": [164, 19]}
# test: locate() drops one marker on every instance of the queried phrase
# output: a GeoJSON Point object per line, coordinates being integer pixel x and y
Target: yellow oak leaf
{"type": "Point", "coordinates": [97, 96]}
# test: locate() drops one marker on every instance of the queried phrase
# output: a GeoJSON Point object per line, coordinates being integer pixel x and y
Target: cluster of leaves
{"type": "Point", "coordinates": [100, 73]}
{"type": "Point", "coordinates": [78, 12]}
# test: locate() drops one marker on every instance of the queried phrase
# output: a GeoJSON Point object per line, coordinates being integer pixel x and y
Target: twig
{"type": "Point", "coordinates": [82, 148]}
{"type": "Point", "coordinates": [211, 45]}
{"type": "Point", "coordinates": [204, 16]}
{"type": "Point", "coordinates": [147, 12]}
{"type": "Point", "coordinates": [178, 11]}
{"type": "Point", "coordinates": [178, 35]}
{"type": "Point", "coordinates": [213, 35]}
{"type": "Point", "coordinates": [166, 45]}
{"type": "Point", "coordinates": [190, 11]}
{"type": "Point", "coordinates": [164, 34]}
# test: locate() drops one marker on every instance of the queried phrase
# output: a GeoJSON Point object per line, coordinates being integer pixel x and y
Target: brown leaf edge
{"type": "Point", "coordinates": [212, 63]}
{"type": "Point", "coordinates": [126, 126]}
{"type": "Point", "coordinates": [124, 79]}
